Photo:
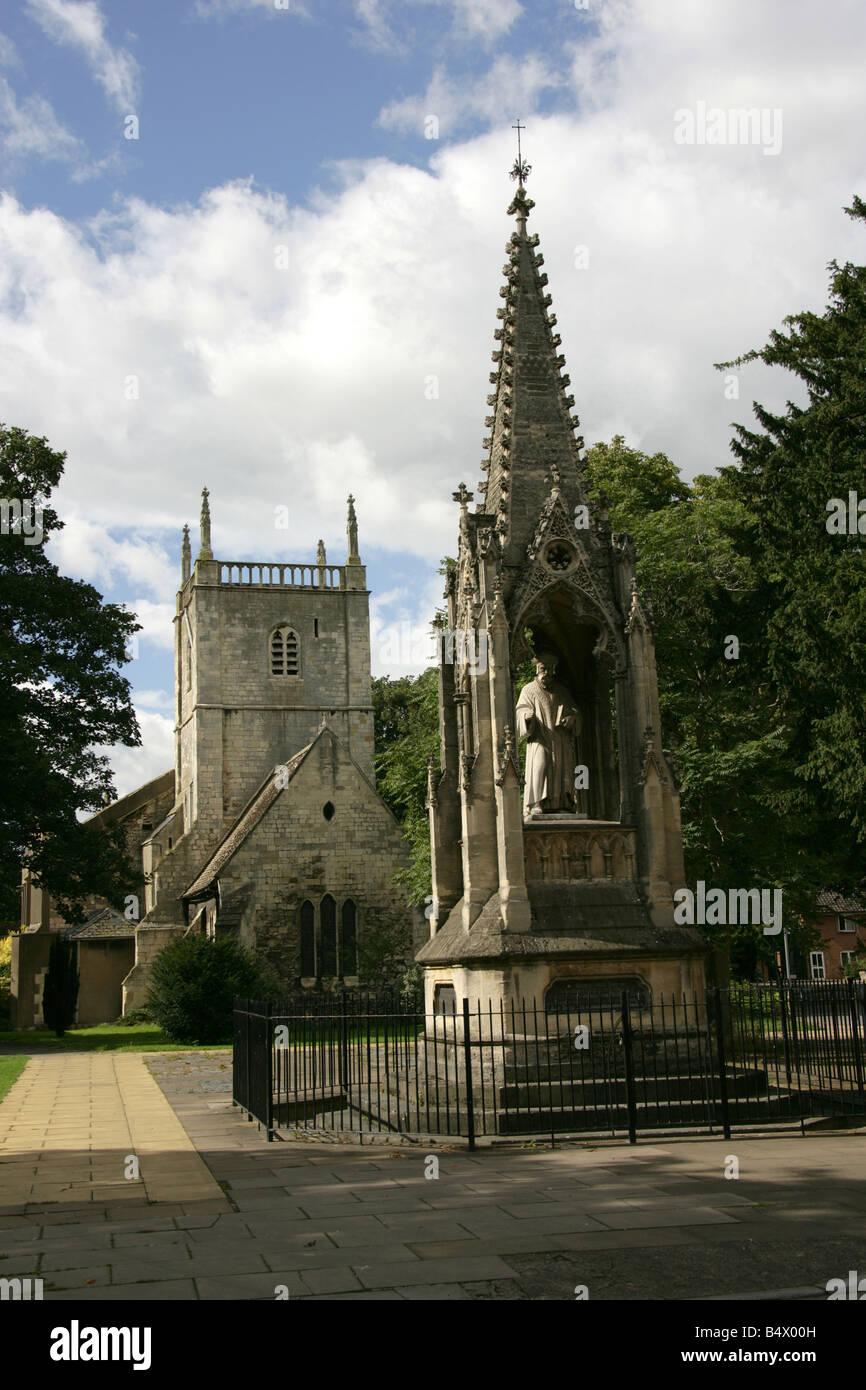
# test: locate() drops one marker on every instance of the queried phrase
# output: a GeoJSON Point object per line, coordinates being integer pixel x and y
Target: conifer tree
{"type": "Point", "coordinates": [60, 994]}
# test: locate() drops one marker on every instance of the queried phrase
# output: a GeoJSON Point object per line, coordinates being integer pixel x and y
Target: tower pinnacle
{"type": "Point", "coordinates": [205, 552]}
{"type": "Point", "coordinates": [352, 558]}
{"type": "Point", "coordinates": [185, 556]}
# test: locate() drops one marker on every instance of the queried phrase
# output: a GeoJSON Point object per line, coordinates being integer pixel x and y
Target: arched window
{"type": "Point", "coordinates": [329, 939]}
{"type": "Point", "coordinates": [329, 936]}
{"type": "Point", "coordinates": [308, 940]}
{"type": "Point", "coordinates": [285, 652]}
{"type": "Point", "coordinates": [349, 940]}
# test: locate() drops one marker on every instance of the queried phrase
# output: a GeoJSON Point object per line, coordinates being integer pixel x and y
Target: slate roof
{"type": "Point", "coordinates": [104, 923]}
{"type": "Point", "coordinates": [258, 806]}
{"type": "Point", "coordinates": [133, 801]}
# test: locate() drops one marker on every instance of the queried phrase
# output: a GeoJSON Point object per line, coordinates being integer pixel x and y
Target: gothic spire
{"type": "Point", "coordinates": [531, 428]}
{"type": "Point", "coordinates": [205, 552]}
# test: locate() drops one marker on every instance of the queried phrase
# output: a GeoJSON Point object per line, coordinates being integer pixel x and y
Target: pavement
{"type": "Point", "coordinates": [215, 1212]}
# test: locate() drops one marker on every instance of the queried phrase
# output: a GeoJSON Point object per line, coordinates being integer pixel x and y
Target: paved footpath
{"type": "Point", "coordinates": [218, 1213]}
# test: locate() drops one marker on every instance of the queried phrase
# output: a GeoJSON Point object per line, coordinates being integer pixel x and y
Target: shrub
{"type": "Point", "coordinates": [133, 1017]}
{"type": "Point", "coordinates": [193, 982]}
{"type": "Point", "coordinates": [60, 994]}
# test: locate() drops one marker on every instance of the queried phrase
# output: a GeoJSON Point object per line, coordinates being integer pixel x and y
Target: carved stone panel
{"type": "Point", "coordinates": [565, 853]}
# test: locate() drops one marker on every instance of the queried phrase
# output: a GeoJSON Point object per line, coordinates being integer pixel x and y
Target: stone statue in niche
{"type": "Point", "coordinates": [549, 720]}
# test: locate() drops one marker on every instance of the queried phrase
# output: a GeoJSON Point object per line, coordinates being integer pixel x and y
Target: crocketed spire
{"type": "Point", "coordinates": [531, 446]}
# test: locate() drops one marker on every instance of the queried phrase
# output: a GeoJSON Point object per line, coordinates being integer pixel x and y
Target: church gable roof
{"type": "Point", "coordinates": [278, 782]}
{"type": "Point", "coordinates": [154, 790]}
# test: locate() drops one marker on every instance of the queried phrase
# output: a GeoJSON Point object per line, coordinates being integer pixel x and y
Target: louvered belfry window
{"type": "Point", "coordinates": [284, 652]}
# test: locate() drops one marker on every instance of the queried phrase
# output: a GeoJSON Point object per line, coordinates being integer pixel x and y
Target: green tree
{"type": "Point", "coordinates": [60, 994]}
{"type": "Point", "coordinates": [809, 608]}
{"type": "Point", "coordinates": [720, 714]}
{"type": "Point", "coordinates": [62, 698]}
{"type": "Point", "coordinates": [406, 723]}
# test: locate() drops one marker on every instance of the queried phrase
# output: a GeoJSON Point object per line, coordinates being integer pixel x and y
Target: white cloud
{"type": "Point", "coordinates": [80, 24]}
{"type": "Point", "coordinates": [156, 621]}
{"type": "Point", "coordinates": [220, 9]}
{"type": "Point", "coordinates": [484, 21]}
{"type": "Point", "coordinates": [153, 699]}
{"type": "Point", "coordinates": [31, 129]}
{"type": "Point", "coordinates": [509, 85]}
{"type": "Point", "coordinates": [89, 550]}
{"type": "Point", "coordinates": [401, 638]}
{"type": "Point", "coordinates": [8, 53]}
{"type": "Point", "coordinates": [133, 767]}
{"type": "Point", "coordinates": [364, 365]}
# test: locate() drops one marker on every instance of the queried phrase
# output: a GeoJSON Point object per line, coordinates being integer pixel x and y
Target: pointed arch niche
{"type": "Point", "coordinates": [562, 619]}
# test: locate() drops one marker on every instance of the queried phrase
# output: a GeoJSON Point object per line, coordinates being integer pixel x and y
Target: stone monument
{"type": "Point", "coordinates": [566, 878]}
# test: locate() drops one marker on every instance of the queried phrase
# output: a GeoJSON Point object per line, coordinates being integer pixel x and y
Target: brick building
{"type": "Point", "coordinates": [842, 926]}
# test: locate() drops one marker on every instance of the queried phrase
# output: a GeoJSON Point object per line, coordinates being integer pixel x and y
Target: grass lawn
{"type": "Point", "coordinates": [104, 1037]}
{"type": "Point", "coordinates": [10, 1070]}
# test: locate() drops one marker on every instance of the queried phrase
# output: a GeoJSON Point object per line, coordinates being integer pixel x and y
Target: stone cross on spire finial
{"type": "Point", "coordinates": [520, 169]}
{"type": "Point", "coordinates": [353, 558]}
{"type": "Point", "coordinates": [205, 552]}
{"type": "Point", "coordinates": [463, 496]}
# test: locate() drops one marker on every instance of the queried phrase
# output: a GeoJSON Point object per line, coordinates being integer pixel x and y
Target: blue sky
{"type": "Point", "coordinates": [367, 144]}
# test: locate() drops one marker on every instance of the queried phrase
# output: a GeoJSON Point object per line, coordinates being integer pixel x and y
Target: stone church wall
{"type": "Point", "coordinates": [295, 853]}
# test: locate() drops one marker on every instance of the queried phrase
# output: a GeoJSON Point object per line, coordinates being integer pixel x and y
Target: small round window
{"type": "Point", "coordinates": [328, 810]}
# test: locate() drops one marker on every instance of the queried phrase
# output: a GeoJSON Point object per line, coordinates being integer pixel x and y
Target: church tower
{"type": "Point", "coordinates": [578, 893]}
{"type": "Point", "coordinates": [262, 651]}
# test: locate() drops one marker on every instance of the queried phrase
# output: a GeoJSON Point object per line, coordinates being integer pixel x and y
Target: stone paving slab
{"type": "Point", "coordinates": [221, 1214]}
{"type": "Point", "coordinates": [70, 1122]}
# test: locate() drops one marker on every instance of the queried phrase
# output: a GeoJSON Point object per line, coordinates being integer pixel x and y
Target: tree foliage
{"type": "Point", "coordinates": [61, 699]}
{"type": "Point", "coordinates": [406, 728]}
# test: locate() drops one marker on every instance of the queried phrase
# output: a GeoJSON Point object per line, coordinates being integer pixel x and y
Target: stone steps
{"type": "Point", "coordinates": [580, 1092]}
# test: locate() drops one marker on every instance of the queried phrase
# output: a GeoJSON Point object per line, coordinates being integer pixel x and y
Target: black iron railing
{"type": "Point", "coordinates": [616, 1064]}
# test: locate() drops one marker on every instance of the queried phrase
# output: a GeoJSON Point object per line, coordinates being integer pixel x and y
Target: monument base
{"type": "Point", "coordinates": [590, 937]}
